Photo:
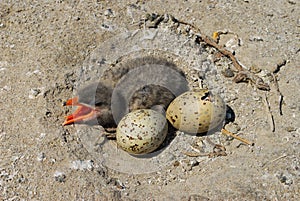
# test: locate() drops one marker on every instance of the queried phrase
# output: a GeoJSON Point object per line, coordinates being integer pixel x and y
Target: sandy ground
{"type": "Point", "coordinates": [44, 43]}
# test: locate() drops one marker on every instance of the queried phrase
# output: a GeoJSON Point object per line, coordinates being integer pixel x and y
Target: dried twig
{"type": "Point", "coordinates": [279, 65]}
{"type": "Point", "coordinates": [271, 118]}
{"type": "Point", "coordinates": [279, 93]}
{"type": "Point", "coordinates": [226, 132]}
{"type": "Point", "coordinates": [244, 74]}
{"type": "Point", "coordinates": [276, 159]}
{"type": "Point", "coordinates": [194, 154]}
{"type": "Point", "coordinates": [218, 150]}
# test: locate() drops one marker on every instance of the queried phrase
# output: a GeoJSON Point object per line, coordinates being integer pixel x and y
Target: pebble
{"type": "Point", "coordinates": [257, 98]}
{"type": "Point", "coordinates": [255, 69]}
{"type": "Point", "coordinates": [264, 73]}
{"type": "Point", "coordinates": [59, 176]}
{"type": "Point", "coordinates": [256, 38]}
{"type": "Point", "coordinates": [166, 18]}
{"type": "Point", "coordinates": [285, 178]}
{"type": "Point", "coordinates": [108, 13]}
{"type": "Point", "coordinates": [195, 197]}
{"type": "Point", "coordinates": [34, 92]}
{"type": "Point", "coordinates": [35, 72]}
{"type": "Point", "coordinates": [227, 72]}
{"type": "Point", "coordinates": [187, 165]}
{"type": "Point", "coordinates": [290, 129]}
{"type": "Point", "coordinates": [292, 2]}
{"type": "Point", "coordinates": [232, 44]}
{"type": "Point", "coordinates": [293, 106]}
{"type": "Point", "coordinates": [107, 26]}
{"type": "Point", "coordinates": [6, 88]}
{"type": "Point", "coordinates": [194, 163]}
{"type": "Point", "coordinates": [41, 157]}
{"type": "Point", "coordinates": [176, 163]}
{"type": "Point", "coordinates": [233, 127]}
{"type": "Point", "coordinates": [118, 184]}
{"type": "Point", "coordinates": [82, 165]}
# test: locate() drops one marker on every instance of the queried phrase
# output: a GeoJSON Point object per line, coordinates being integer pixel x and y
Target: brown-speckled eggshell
{"type": "Point", "coordinates": [196, 111]}
{"type": "Point", "coordinates": [141, 131]}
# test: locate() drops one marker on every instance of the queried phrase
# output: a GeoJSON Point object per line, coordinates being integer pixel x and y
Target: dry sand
{"type": "Point", "coordinates": [44, 43]}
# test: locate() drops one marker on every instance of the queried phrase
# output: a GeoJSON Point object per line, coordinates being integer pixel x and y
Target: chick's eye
{"type": "Point", "coordinates": [100, 103]}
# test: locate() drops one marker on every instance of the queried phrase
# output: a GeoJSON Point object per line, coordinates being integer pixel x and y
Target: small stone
{"type": "Point", "coordinates": [22, 179]}
{"type": "Point", "coordinates": [33, 93]}
{"type": "Point", "coordinates": [292, 2]}
{"type": "Point", "coordinates": [195, 197]}
{"type": "Point", "coordinates": [6, 88]}
{"type": "Point", "coordinates": [227, 72]}
{"type": "Point", "coordinates": [59, 176]}
{"type": "Point", "coordinates": [176, 163]}
{"type": "Point", "coordinates": [285, 178]}
{"type": "Point", "coordinates": [255, 69]}
{"type": "Point", "coordinates": [41, 157]}
{"type": "Point", "coordinates": [290, 129]}
{"type": "Point", "coordinates": [194, 163]}
{"type": "Point", "coordinates": [232, 127]}
{"type": "Point", "coordinates": [35, 72]}
{"type": "Point", "coordinates": [152, 16]}
{"type": "Point", "coordinates": [119, 184]}
{"type": "Point", "coordinates": [187, 165]}
{"type": "Point", "coordinates": [104, 26]}
{"type": "Point", "coordinates": [42, 135]}
{"type": "Point", "coordinates": [256, 97]}
{"type": "Point", "coordinates": [166, 18]}
{"type": "Point", "coordinates": [108, 12]}
{"type": "Point", "coordinates": [264, 73]}
{"type": "Point", "coordinates": [256, 38]}
{"type": "Point", "coordinates": [293, 106]}
{"type": "Point", "coordinates": [82, 165]}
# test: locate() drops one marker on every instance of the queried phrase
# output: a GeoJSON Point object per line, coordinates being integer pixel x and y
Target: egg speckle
{"type": "Point", "coordinates": [141, 131]}
{"type": "Point", "coordinates": [196, 111]}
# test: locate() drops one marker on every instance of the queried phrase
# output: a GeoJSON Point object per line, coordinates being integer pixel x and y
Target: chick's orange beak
{"type": "Point", "coordinates": [82, 113]}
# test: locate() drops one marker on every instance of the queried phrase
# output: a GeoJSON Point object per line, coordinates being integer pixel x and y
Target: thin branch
{"type": "Point", "coordinates": [272, 161]}
{"type": "Point", "coordinates": [271, 118]}
{"type": "Point", "coordinates": [226, 132]}
{"type": "Point", "coordinates": [244, 74]}
{"type": "Point", "coordinates": [279, 92]}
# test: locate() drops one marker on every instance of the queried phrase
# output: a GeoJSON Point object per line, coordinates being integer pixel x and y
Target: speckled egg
{"type": "Point", "coordinates": [196, 111]}
{"type": "Point", "coordinates": [141, 131]}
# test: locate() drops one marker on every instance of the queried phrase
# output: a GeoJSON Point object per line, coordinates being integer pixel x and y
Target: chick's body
{"type": "Point", "coordinates": [142, 83]}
